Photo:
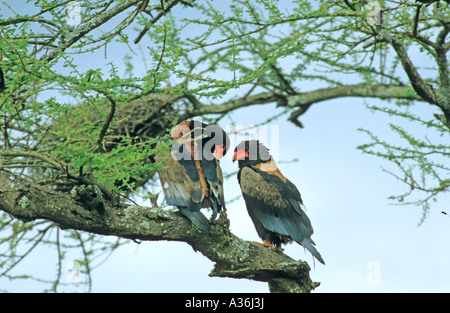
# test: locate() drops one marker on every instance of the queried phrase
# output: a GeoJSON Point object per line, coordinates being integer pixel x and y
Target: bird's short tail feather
{"type": "Point", "coordinates": [197, 218]}
{"type": "Point", "coordinates": [309, 245]}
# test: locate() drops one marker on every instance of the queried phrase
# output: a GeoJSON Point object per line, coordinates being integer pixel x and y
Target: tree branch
{"type": "Point", "coordinates": [381, 91]}
{"type": "Point", "coordinates": [425, 91]}
{"type": "Point", "coordinates": [300, 102]}
{"type": "Point", "coordinates": [233, 256]}
{"type": "Point", "coordinates": [71, 36]}
{"type": "Point", "coordinates": [160, 14]}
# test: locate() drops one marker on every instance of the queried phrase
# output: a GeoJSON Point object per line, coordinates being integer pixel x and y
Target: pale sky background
{"type": "Point", "coordinates": [368, 244]}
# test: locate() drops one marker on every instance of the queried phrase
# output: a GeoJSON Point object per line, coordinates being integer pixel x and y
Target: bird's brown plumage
{"type": "Point", "coordinates": [273, 202]}
{"type": "Point", "coordinates": [192, 178]}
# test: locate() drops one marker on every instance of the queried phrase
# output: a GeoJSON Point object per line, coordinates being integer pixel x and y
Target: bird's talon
{"type": "Point", "coordinates": [267, 244]}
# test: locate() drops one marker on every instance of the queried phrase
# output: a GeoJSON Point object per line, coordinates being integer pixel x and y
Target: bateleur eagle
{"type": "Point", "coordinates": [192, 178]}
{"type": "Point", "coordinates": [273, 202]}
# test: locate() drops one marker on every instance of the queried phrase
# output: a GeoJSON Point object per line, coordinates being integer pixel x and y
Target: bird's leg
{"type": "Point", "coordinates": [266, 243]}
{"type": "Point", "coordinates": [223, 218]}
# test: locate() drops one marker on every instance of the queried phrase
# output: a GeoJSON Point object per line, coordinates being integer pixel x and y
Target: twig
{"type": "Point", "coordinates": [107, 122]}
{"type": "Point", "coordinates": [416, 20]}
{"type": "Point", "coordinates": [350, 5]}
{"type": "Point", "coordinates": [160, 59]}
{"type": "Point", "coordinates": [36, 155]}
{"type": "Point", "coordinates": [147, 27]}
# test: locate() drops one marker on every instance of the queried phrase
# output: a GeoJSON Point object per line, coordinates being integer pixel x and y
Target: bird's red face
{"type": "Point", "coordinates": [199, 140]}
{"type": "Point", "coordinates": [251, 153]}
{"type": "Point", "coordinates": [219, 152]}
{"type": "Point", "coordinates": [240, 154]}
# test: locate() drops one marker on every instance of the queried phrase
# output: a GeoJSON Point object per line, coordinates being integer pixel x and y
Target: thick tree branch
{"type": "Point", "coordinates": [233, 256]}
{"type": "Point", "coordinates": [381, 91]}
{"type": "Point", "coordinates": [424, 90]}
{"type": "Point", "coordinates": [439, 97]}
{"type": "Point", "coordinates": [302, 101]}
{"type": "Point", "coordinates": [261, 98]}
{"type": "Point", "coordinates": [443, 66]}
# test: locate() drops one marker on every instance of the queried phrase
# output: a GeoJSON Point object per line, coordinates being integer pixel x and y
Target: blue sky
{"type": "Point", "coordinates": [345, 193]}
{"type": "Point", "coordinates": [369, 244]}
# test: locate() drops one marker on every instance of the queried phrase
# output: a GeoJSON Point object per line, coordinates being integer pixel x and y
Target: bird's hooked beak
{"type": "Point", "coordinates": [240, 154]}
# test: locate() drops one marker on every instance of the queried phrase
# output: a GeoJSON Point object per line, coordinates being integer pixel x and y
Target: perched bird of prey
{"type": "Point", "coordinates": [273, 202]}
{"type": "Point", "coordinates": [192, 178]}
